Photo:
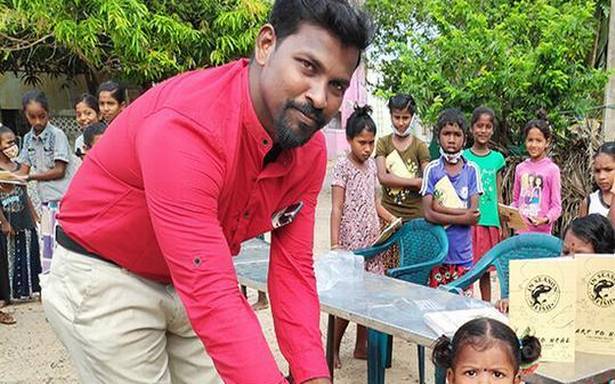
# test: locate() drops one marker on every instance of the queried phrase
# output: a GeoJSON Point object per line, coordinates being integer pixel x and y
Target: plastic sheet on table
{"type": "Point", "coordinates": [335, 267]}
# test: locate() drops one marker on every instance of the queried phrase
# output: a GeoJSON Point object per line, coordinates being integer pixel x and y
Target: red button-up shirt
{"type": "Point", "coordinates": [175, 185]}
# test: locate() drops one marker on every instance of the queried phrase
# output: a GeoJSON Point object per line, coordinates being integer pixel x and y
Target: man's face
{"type": "Point", "coordinates": [302, 82]}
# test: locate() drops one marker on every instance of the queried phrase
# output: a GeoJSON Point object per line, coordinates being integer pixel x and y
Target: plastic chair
{"type": "Point", "coordinates": [524, 246]}
{"type": "Point", "coordinates": [422, 246]}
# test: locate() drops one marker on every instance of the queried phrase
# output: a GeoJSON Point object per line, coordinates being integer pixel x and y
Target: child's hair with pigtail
{"type": "Point", "coordinates": [359, 121]}
{"type": "Point", "coordinates": [482, 334]}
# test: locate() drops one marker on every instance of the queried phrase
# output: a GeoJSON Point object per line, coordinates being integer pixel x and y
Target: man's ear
{"type": "Point", "coordinates": [265, 44]}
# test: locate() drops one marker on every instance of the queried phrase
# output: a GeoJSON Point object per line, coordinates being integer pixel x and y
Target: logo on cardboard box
{"type": "Point", "coordinates": [542, 293]}
{"type": "Point", "coordinates": [600, 288]}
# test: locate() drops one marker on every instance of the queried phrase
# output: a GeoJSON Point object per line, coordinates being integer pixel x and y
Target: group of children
{"type": "Point", "coordinates": [414, 187]}
{"type": "Point", "coordinates": [46, 158]}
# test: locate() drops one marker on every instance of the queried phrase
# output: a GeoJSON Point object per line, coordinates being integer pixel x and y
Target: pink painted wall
{"type": "Point", "coordinates": [356, 94]}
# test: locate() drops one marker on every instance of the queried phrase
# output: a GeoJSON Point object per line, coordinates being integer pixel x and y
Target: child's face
{"type": "Point", "coordinates": [574, 244]}
{"type": "Point", "coordinates": [451, 138]}
{"type": "Point", "coordinates": [482, 130]}
{"type": "Point", "coordinates": [85, 115]}
{"type": "Point", "coordinates": [8, 146]}
{"type": "Point", "coordinates": [401, 119]}
{"type": "Point", "coordinates": [536, 143]}
{"type": "Point", "coordinates": [109, 106]}
{"type": "Point", "coordinates": [490, 366]}
{"type": "Point", "coordinates": [362, 145]}
{"type": "Point", "coordinates": [36, 115]}
{"type": "Point", "coordinates": [604, 171]}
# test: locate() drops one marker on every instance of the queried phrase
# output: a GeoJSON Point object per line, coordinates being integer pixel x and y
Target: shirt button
{"type": "Point", "coordinates": [265, 142]}
{"type": "Point", "coordinates": [246, 215]}
{"type": "Point", "coordinates": [197, 261]}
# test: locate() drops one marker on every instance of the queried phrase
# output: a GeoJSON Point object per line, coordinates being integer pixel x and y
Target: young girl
{"type": "Point", "coordinates": [355, 207]}
{"type": "Point", "coordinates": [18, 225]}
{"type": "Point", "coordinates": [486, 234]}
{"type": "Point", "coordinates": [452, 178]}
{"type": "Point", "coordinates": [111, 100]}
{"type": "Point", "coordinates": [86, 113]}
{"type": "Point", "coordinates": [485, 351]}
{"type": "Point", "coordinates": [599, 201]}
{"type": "Point", "coordinates": [537, 188]}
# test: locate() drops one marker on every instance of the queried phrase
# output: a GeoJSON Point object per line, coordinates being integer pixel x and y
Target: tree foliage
{"type": "Point", "coordinates": [138, 40]}
{"type": "Point", "coordinates": [515, 56]}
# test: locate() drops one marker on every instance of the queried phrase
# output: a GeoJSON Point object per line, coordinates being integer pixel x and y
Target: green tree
{"type": "Point", "coordinates": [141, 41]}
{"type": "Point", "coordinates": [515, 56]}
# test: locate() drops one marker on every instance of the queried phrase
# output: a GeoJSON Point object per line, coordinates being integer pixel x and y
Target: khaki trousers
{"type": "Point", "coordinates": [119, 327]}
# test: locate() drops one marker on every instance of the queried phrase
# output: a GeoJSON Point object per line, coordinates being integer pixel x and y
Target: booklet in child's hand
{"type": "Point", "coordinates": [514, 218]}
{"type": "Point", "coordinates": [388, 231]}
{"type": "Point", "coordinates": [445, 194]}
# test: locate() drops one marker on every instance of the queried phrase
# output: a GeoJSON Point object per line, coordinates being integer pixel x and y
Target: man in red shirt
{"type": "Point", "coordinates": [143, 276]}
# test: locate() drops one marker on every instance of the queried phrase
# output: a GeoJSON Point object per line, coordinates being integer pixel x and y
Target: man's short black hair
{"type": "Point", "coordinates": [348, 22]}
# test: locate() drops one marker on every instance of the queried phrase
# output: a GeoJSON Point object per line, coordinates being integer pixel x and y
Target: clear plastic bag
{"type": "Point", "coordinates": [337, 266]}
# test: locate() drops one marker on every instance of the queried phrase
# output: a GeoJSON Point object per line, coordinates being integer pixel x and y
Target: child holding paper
{"type": "Point", "coordinates": [401, 158]}
{"type": "Point", "coordinates": [537, 185]}
{"type": "Point", "coordinates": [451, 189]}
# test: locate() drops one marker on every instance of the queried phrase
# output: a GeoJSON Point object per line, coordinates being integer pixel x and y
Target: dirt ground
{"type": "Point", "coordinates": [30, 352]}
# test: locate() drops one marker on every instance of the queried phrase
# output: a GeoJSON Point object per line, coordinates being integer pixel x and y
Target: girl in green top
{"type": "Point", "coordinates": [487, 233]}
{"type": "Point", "coordinates": [400, 159]}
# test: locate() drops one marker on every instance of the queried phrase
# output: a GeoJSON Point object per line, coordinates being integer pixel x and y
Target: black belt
{"type": "Point", "coordinates": [68, 243]}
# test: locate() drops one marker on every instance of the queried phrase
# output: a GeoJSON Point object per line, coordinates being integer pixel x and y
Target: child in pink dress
{"type": "Point", "coordinates": [356, 208]}
{"type": "Point", "coordinates": [537, 185]}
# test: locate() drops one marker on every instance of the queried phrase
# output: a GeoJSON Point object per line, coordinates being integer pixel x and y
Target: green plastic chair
{"type": "Point", "coordinates": [520, 247]}
{"type": "Point", "coordinates": [422, 246]}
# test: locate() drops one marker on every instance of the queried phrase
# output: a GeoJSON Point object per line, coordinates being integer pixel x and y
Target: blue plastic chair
{"type": "Point", "coordinates": [524, 246]}
{"type": "Point", "coordinates": [422, 246]}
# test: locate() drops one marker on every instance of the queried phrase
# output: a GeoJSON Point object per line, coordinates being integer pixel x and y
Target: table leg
{"type": "Point", "coordinates": [330, 342]}
{"type": "Point", "coordinates": [376, 354]}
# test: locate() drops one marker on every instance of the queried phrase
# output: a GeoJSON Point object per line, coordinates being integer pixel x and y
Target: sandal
{"type": "Point", "coordinates": [6, 318]}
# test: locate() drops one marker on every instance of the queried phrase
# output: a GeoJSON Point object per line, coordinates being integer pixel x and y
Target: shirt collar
{"type": "Point", "coordinates": [260, 136]}
{"type": "Point", "coordinates": [43, 135]}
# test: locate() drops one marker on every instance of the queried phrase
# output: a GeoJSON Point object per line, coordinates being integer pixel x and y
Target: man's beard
{"type": "Point", "coordinates": [286, 136]}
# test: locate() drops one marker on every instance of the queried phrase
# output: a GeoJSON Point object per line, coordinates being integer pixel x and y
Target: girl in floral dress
{"type": "Point", "coordinates": [356, 208]}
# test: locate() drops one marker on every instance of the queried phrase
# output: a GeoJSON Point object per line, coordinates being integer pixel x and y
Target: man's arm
{"type": "Point", "coordinates": [292, 289]}
{"type": "Point", "coordinates": [182, 190]}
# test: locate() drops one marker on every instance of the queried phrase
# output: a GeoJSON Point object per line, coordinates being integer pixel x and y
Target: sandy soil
{"type": "Point", "coordinates": [30, 352]}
